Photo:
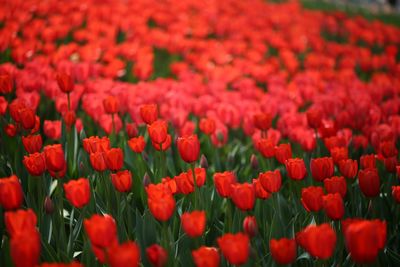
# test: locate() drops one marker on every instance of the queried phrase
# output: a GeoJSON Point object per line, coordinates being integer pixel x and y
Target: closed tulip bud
{"type": "Point", "coordinates": [348, 168]}
{"type": "Point", "coordinates": [149, 113]}
{"type": "Point", "coordinates": [122, 181]}
{"type": "Point", "coordinates": [69, 118]}
{"type": "Point", "coordinates": [207, 126]}
{"type": "Point", "coordinates": [27, 118]}
{"type": "Point", "coordinates": [78, 192]}
{"type": "Point", "coordinates": [146, 179]}
{"type": "Point", "coordinates": [137, 144]}
{"type": "Point", "coordinates": [194, 223]}
{"type": "Point", "coordinates": [101, 230]}
{"type": "Point", "coordinates": [262, 121]}
{"type": "Point", "coordinates": [206, 257]}
{"type": "Point", "coordinates": [396, 193]}
{"type": "Point", "coordinates": [158, 132]}
{"type": "Point", "coordinates": [250, 226]}
{"type": "Point", "coordinates": [321, 168]}
{"type": "Point", "coordinates": [369, 182]}
{"type": "Point", "coordinates": [161, 202]}
{"type": "Point", "coordinates": [131, 130]}
{"type": "Point", "coordinates": [283, 152]}
{"type": "Point", "coordinates": [114, 159]}
{"type": "Point", "coordinates": [189, 148]}
{"type": "Point", "coordinates": [48, 205]}
{"type": "Point", "coordinates": [203, 161]}
{"type": "Point", "coordinates": [223, 182]}
{"type": "Point", "coordinates": [20, 220]}
{"type": "Point", "coordinates": [6, 84]}
{"type": "Point", "coordinates": [11, 195]}
{"type": "Point", "coordinates": [254, 162]}
{"type": "Point", "coordinates": [54, 156]}
{"type": "Point", "coordinates": [65, 82]}
{"type": "Point", "coordinates": [32, 143]}
{"type": "Point", "coordinates": [333, 206]}
{"type": "Point", "coordinates": [336, 185]}
{"type": "Point", "coordinates": [364, 239]}
{"type": "Point", "coordinates": [35, 164]}
{"type": "Point", "coordinates": [271, 181]}
{"type": "Point", "coordinates": [10, 130]}
{"type": "Point", "coordinates": [126, 254]}
{"type": "Point", "coordinates": [283, 251]}
{"type": "Point", "coordinates": [266, 147]}
{"type": "Point", "coordinates": [235, 247]}
{"type": "Point", "coordinates": [243, 196]}
{"type": "Point", "coordinates": [296, 169]}
{"type": "Point", "coordinates": [318, 240]}
{"type": "Point", "coordinates": [314, 117]}
{"type": "Point", "coordinates": [311, 198]}
{"type": "Point", "coordinates": [157, 255]}
{"type": "Point", "coordinates": [111, 104]}
{"type": "Point", "coordinates": [25, 248]}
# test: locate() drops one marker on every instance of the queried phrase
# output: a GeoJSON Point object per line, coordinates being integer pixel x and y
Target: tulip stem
{"type": "Point", "coordinates": [194, 185]}
{"type": "Point", "coordinates": [69, 101]}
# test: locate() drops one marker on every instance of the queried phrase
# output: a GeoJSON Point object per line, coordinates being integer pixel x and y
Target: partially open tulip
{"type": "Point", "coordinates": [35, 164]}
{"type": "Point", "coordinates": [336, 185]}
{"type": "Point", "coordinates": [111, 104]}
{"type": "Point", "coordinates": [283, 251]}
{"type": "Point", "coordinates": [137, 144]}
{"type": "Point", "coordinates": [296, 169]}
{"type": "Point", "coordinates": [262, 121]}
{"type": "Point", "coordinates": [96, 144]}
{"type": "Point", "coordinates": [78, 192]}
{"type": "Point", "coordinates": [114, 159]}
{"type": "Point", "coordinates": [223, 182]}
{"type": "Point", "coordinates": [266, 147]}
{"type": "Point", "coordinates": [6, 83]}
{"type": "Point", "coordinates": [122, 180]}
{"type": "Point", "coordinates": [149, 113]}
{"type": "Point", "coordinates": [161, 202]}
{"type": "Point", "coordinates": [348, 168]}
{"type": "Point", "coordinates": [32, 143]}
{"type": "Point", "coordinates": [333, 206]}
{"type": "Point", "coordinates": [55, 159]}
{"type": "Point", "coordinates": [158, 131]}
{"type": "Point", "coordinates": [194, 223]}
{"type": "Point", "coordinates": [206, 257]}
{"type": "Point", "coordinates": [283, 152]}
{"type": "Point", "coordinates": [235, 247]}
{"type": "Point", "coordinates": [189, 148]}
{"type": "Point", "coordinates": [97, 161]}
{"type": "Point", "coordinates": [27, 118]}
{"type": "Point", "coordinates": [207, 125]}
{"type": "Point", "coordinates": [25, 248]}
{"type": "Point", "coordinates": [65, 82]}
{"type": "Point", "coordinates": [271, 180]}
{"type": "Point", "coordinates": [250, 226]}
{"type": "Point", "coordinates": [157, 255]}
{"type": "Point", "coordinates": [124, 255]}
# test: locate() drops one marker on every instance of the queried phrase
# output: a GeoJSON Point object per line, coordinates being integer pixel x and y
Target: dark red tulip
{"type": "Point", "coordinates": [339, 153]}
{"type": "Point", "coordinates": [111, 104]}
{"type": "Point", "coordinates": [189, 148]}
{"type": "Point", "coordinates": [3, 105]}
{"type": "Point", "coordinates": [194, 223]}
{"type": "Point", "coordinates": [396, 193]}
{"type": "Point", "coordinates": [388, 149]}
{"type": "Point", "coordinates": [6, 84]}
{"type": "Point", "coordinates": [35, 164]}
{"type": "Point", "coordinates": [157, 255]}
{"type": "Point", "coordinates": [206, 257]}
{"type": "Point", "coordinates": [131, 130]}
{"type": "Point", "coordinates": [122, 180]}
{"type": "Point", "coordinates": [114, 159]}
{"type": "Point", "coordinates": [126, 254]}
{"type": "Point", "coordinates": [149, 113]}
{"type": "Point", "coordinates": [368, 161]}
{"type": "Point", "coordinates": [20, 220]}
{"type": "Point", "coordinates": [207, 125]}
{"type": "Point", "coordinates": [336, 185]}
{"type": "Point", "coordinates": [101, 230]}
{"type": "Point", "coordinates": [77, 192]}
{"type": "Point", "coordinates": [10, 130]}
{"type": "Point", "coordinates": [318, 240]}
{"type": "Point", "coordinates": [314, 117]}
{"type": "Point", "coordinates": [250, 226]}
{"type": "Point", "coordinates": [14, 108]}
{"type": "Point", "coordinates": [283, 251]}
{"type": "Point", "coordinates": [235, 247]}
{"type": "Point", "coordinates": [390, 164]}
{"type": "Point", "coordinates": [27, 118]}
{"type": "Point", "coordinates": [223, 182]}
{"type": "Point", "coordinates": [321, 168]}
{"type": "Point", "coordinates": [369, 182]}
{"type": "Point", "coordinates": [333, 206]}
{"type": "Point", "coordinates": [32, 143]}
{"type": "Point", "coordinates": [311, 198]}
{"type": "Point", "coordinates": [283, 152]}
{"type": "Point", "coordinates": [137, 144]}
{"type": "Point", "coordinates": [348, 168]}
{"type": "Point", "coordinates": [296, 168]}
{"type": "Point", "coordinates": [243, 196]}
{"type": "Point", "coordinates": [11, 195]}
{"type": "Point", "coordinates": [65, 82]}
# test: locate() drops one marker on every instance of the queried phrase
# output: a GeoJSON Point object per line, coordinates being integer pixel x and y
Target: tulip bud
{"type": "Point", "coordinates": [48, 205]}
{"type": "Point", "coordinates": [146, 180]}
{"type": "Point", "coordinates": [254, 162]}
{"type": "Point", "coordinates": [203, 162]}
{"type": "Point", "coordinates": [250, 226]}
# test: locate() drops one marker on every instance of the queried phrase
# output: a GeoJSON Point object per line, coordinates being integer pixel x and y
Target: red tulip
{"type": "Point", "coordinates": [96, 144]}
{"type": "Point", "coordinates": [194, 223]}
{"type": "Point", "coordinates": [235, 247]}
{"type": "Point", "coordinates": [396, 193]}
{"type": "Point", "coordinates": [97, 161]}
{"type": "Point", "coordinates": [388, 149]}
{"type": "Point", "coordinates": [69, 118]}
{"type": "Point", "coordinates": [311, 198]}
{"type": "Point", "coordinates": [149, 113]}
{"type": "Point", "coordinates": [3, 105]}
{"type": "Point", "coordinates": [243, 196]}
{"type": "Point", "coordinates": [189, 148]}
{"type": "Point", "coordinates": [101, 229]}
{"type": "Point", "coordinates": [200, 174]}
{"type": "Point", "coordinates": [158, 132]}
{"type": "Point", "coordinates": [111, 104]}
{"type": "Point", "coordinates": [114, 159]}
{"type": "Point", "coordinates": [348, 168]}
{"type": "Point", "coordinates": [390, 164]}
{"type": "Point", "coordinates": [314, 117]}
{"type": "Point", "coordinates": [368, 180]}
{"type": "Point", "coordinates": [266, 147]}
{"type": "Point", "coordinates": [333, 206]}
{"type": "Point", "coordinates": [336, 185]}
{"type": "Point", "coordinates": [6, 84]}
{"type": "Point", "coordinates": [10, 130]}
{"type": "Point", "coordinates": [11, 195]}
{"type": "Point", "coordinates": [131, 130]}
{"type": "Point", "coordinates": [124, 255]}
{"type": "Point", "coordinates": [319, 241]}
{"type": "Point", "coordinates": [271, 181]}
{"type": "Point", "coordinates": [78, 192]}
{"type": "Point", "coordinates": [339, 153]}
{"type": "Point", "coordinates": [170, 183]}
{"type": "Point", "coordinates": [161, 202]}
{"type": "Point", "coordinates": [321, 168]}
{"type": "Point", "coordinates": [207, 126]}
{"type": "Point", "coordinates": [259, 190]}
{"type": "Point", "coordinates": [164, 146]}
{"type": "Point", "coordinates": [32, 143]}
{"type": "Point", "coordinates": [122, 180]}
{"type": "Point", "coordinates": [250, 226]}
{"type": "Point", "coordinates": [19, 221]}
{"type": "Point", "coordinates": [283, 152]}
{"type": "Point", "coordinates": [368, 161]}
{"type": "Point", "coordinates": [206, 257]}
{"type": "Point", "coordinates": [55, 160]}
{"type": "Point", "coordinates": [14, 107]}
{"type": "Point", "coordinates": [262, 121]}
{"type": "Point", "coordinates": [283, 251]}
{"type": "Point", "coordinates": [223, 182]}
{"type": "Point", "coordinates": [25, 248]}
{"type": "Point", "coordinates": [65, 82]}
{"type": "Point", "coordinates": [157, 255]}
{"type": "Point", "coordinates": [137, 144]}
{"type": "Point", "coordinates": [364, 239]}
{"type": "Point", "coordinates": [35, 164]}
{"type": "Point", "coordinates": [296, 169]}
{"type": "Point", "coordinates": [184, 184]}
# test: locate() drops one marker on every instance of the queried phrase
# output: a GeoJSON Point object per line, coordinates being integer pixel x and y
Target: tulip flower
{"type": "Point", "coordinates": [35, 164]}
{"type": "Point", "coordinates": [333, 206]}
{"type": "Point", "coordinates": [114, 159]}
{"type": "Point", "coordinates": [32, 143]}
{"type": "Point", "coordinates": [20, 220]}
{"type": "Point", "coordinates": [111, 104]}
{"type": "Point", "coordinates": [157, 255]}
{"type": "Point", "coordinates": [223, 183]}
{"type": "Point", "coordinates": [318, 240]}
{"type": "Point", "coordinates": [311, 198]}
{"type": "Point", "coordinates": [189, 148]}
{"type": "Point", "coordinates": [95, 144]}
{"type": "Point", "coordinates": [283, 152]}
{"type": "Point", "coordinates": [55, 159]}
{"type": "Point", "coordinates": [283, 251]}
{"type": "Point", "coordinates": [194, 223]}
{"type": "Point", "coordinates": [235, 247]}
{"type": "Point", "coordinates": [25, 248]}
{"type": "Point", "coordinates": [250, 226]}
{"type": "Point", "coordinates": [161, 202]}
{"type": "Point", "coordinates": [65, 82]}
{"type": "Point", "coordinates": [369, 182]}
{"type": "Point", "coordinates": [321, 168]}
{"type": "Point", "coordinates": [206, 257]}
{"type": "Point", "coordinates": [124, 255]}
{"type": "Point", "coordinates": [137, 144]}
{"type": "Point", "coordinates": [158, 131]}
{"type": "Point", "coordinates": [336, 185]}
{"type": "Point", "coordinates": [122, 180]}
{"type": "Point", "coordinates": [243, 196]}
{"type": "Point", "coordinates": [296, 169]}
{"type": "Point", "coordinates": [78, 192]}
{"type": "Point", "coordinates": [149, 113]}
{"type": "Point", "coordinates": [348, 168]}
{"type": "Point", "coordinates": [271, 181]}
{"type": "Point", "coordinates": [101, 230]}
{"type": "Point", "coordinates": [207, 126]}
{"type": "Point", "coordinates": [11, 195]}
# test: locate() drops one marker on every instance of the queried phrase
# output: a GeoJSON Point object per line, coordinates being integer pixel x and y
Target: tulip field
{"type": "Point", "coordinates": [197, 133]}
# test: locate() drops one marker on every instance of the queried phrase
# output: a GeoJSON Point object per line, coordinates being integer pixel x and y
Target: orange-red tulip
{"type": "Point", "coordinates": [149, 113]}
{"type": "Point", "coordinates": [235, 247]}
{"type": "Point", "coordinates": [206, 257]}
{"type": "Point", "coordinates": [137, 144]}
{"type": "Point", "coordinates": [124, 255]}
{"type": "Point", "coordinates": [122, 180]}
{"type": "Point", "coordinates": [78, 192]}
{"type": "Point", "coordinates": [194, 223]}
